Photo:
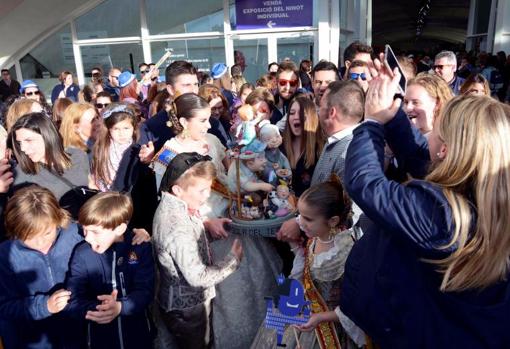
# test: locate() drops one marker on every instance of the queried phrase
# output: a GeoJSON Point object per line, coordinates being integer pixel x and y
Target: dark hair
{"type": "Point", "coordinates": [354, 48]}
{"type": "Point", "coordinates": [178, 68]}
{"type": "Point", "coordinates": [325, 65]}
{"type": "Point", "coordinates": [236, 70]}
{"type": "Point", "coordinates": [5, 70]}
{"type": "Point", "coordinates": [245, 86]}
{"type": "Point", "coordinates": [203, 78]}
{"type": "Point", "coordinates": [201, 169]}
{"type": "Point", "coordinates": [271, 64]}
{"type": "Point", "coordinates": [305, 65]}
{"type": "Point", "coordinates": [57, 160]}
{"type": "Point", "coordinates": [348, 97]}
{"type": "Point", "coordinates": [59, 108]}
{"type": "Point", "coordinates": [158, 102]}
{"type": "Point", "coordinates": [99, 166]}
{"type": "Point", "coordinates": [104, 94]}
{"type": "Point", "coordinates": [98, 68]}
{"type": "Point", "coordinates": [142, 64]}
{"type": "Point", "coordinates": [88, 93]}
{"type": "Point", "coordinates": [185, 106]}
{"type": "Point", "coordinates": [329, 199]}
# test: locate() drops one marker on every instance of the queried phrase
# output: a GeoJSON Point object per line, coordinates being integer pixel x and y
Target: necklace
{"type": "Point", "coordinates": [330, 240]}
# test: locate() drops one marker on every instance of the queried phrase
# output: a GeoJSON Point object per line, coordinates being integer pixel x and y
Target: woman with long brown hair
{"type": "Point", "coordinates": [303, 141]}
{"type": "Point", "coordinates": [39, 151]}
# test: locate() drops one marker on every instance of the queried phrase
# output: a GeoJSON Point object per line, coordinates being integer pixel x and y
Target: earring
{"type": "Point", "coordinates": [185, 133]}
{"type": "Point", "coordinates": [439, 156]}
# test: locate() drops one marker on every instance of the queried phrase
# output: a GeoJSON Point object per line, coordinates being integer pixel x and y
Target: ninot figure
{"type": "Point", "coordinates": [276, 160]}
{"type": "Point", "coordinates": [246, 131]}
{"type": "Point", "coordinates": [289, 307]}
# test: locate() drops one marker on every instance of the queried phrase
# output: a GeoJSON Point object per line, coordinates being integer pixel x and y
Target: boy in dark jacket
{"type": "Point", "coordinates": [111, 281]}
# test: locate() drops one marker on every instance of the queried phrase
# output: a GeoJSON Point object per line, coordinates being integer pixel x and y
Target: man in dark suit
{"type": "Point", "coordinates": [8, 87]}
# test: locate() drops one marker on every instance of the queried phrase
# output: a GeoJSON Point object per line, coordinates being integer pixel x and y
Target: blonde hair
{"type": "Point", "coordinates": [475, 178]}
{"type": "Point", "coordinates": [107, 210]}
{"type": "Point", "coordinates": [72, 116]}
{"type": "Point", "coordinates": [238, 81]}
{"type": "Point", "coordinates": [436, 87]}
{"type": "Point", "coordinates": [31, 211]}
{"type": "Point", "coordinates": [312, 138]}
{"type": "Point", "coordinates": [17, 110]}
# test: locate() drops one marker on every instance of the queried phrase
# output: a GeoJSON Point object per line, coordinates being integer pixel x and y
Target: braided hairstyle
{"type": "Point", "coordinates": [185, 106]}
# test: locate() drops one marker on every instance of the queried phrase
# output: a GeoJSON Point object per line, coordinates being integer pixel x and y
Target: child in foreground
{"type": "Point", "coordinates": [33, 266]}
{"type": "Point", "coordinates": [111, 281]}
{"type": "Point", "coordinates": [323, 215]}
{"type": "Point", "coordinates": [187, 273]}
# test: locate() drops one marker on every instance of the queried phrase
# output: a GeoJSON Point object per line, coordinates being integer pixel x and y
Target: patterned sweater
{"type": "Point", "coordinates": [187, 273]}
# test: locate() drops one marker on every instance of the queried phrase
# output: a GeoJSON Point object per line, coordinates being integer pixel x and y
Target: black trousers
{"type": "Point", "coordinates": [190, 327]}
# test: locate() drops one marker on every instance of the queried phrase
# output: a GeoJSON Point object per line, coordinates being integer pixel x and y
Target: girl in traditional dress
{"type": "Point", "coordinates": [323, 216]}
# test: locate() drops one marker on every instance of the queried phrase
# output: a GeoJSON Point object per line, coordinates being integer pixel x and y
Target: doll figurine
{"type": "Point", "coordinates": [281, 200]}
{"type": "Point", "coordinates": [246, 131]}
{"type": "Point", "coordinates": [252, 161]}
{"type": "Point", "coordinates": [276, 161]}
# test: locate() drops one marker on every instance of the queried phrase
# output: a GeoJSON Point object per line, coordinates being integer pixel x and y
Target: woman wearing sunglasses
{"type": "Point", "coordinates": [358, 72]}
{"type": "Point", "coordinates": [103, 99]}
{"type": "Point", "coordinates": [30, 90]}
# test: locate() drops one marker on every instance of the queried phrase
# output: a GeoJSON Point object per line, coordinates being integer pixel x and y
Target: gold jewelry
{"type": "Point", "coordinates": [185, 133]}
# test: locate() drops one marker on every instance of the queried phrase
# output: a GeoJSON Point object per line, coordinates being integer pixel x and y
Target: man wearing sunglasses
{"type": "Point", "coordinates": [8, 87]}
{"type": "Point", "coordinates": [445, 65]}
{"type": "Point", "coordinates": [287, 80]}
{"type": "Point", "coordinates": [358, 71]}
{"type": "Point", "coordinates": [112, 85]}
{"type": "Point", "coordinates": [145, 80]}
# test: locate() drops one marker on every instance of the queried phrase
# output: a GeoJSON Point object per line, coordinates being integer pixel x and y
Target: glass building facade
{"type": "Point", "coordinates": [124, 33]}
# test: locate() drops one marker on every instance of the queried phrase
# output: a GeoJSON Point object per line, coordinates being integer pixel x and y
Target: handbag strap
{"type": "Point", "coordinates": [63, 180]}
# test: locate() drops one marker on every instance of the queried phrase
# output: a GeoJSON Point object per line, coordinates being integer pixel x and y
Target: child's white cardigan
{"type": "Point", "coordinates": [187, 274]}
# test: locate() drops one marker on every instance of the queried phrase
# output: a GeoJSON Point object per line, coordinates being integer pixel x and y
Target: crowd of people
{"type": "Point", "coordinates": [115, 201]}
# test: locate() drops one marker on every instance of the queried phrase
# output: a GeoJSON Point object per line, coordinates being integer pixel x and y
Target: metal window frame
{"type": "Point", "coordinates": [326, 34]}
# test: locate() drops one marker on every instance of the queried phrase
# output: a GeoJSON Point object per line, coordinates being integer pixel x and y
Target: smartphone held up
{"type": "Point", "coordinates": [391, 62]}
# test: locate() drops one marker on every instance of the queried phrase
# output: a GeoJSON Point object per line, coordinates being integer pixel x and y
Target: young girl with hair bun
{"type": "Point", "coordinates": [189, 120]}
{"type": "Point", "coordinates": [324, 212]}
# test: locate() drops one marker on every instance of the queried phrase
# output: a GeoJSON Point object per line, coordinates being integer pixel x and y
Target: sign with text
{"type": "Point", "coordinates": [257, 14]}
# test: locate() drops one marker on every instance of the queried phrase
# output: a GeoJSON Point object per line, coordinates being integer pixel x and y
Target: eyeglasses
{"type": "Point", "coordinates": [145, 71]}
{"type": "Point", "coordinates": [32, 93]}
{"type": "Point", "coordinates": [355, 76]}
{"type": "Point", "coordinates": [441, 66]}
{"type": "Point", "coordinates": [102, 105]}
{"type": "Point", "coordinates": [292, 83]}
